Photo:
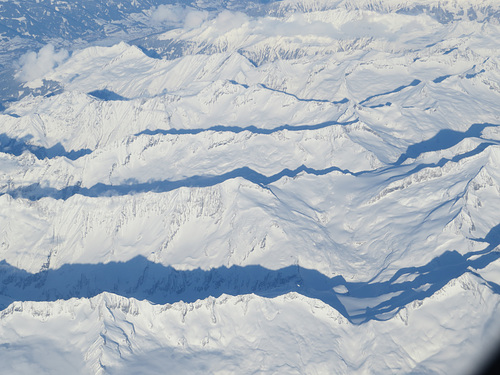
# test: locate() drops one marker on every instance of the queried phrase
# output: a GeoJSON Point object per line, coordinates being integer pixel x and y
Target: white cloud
{"type": "Point", "coordinates": [366, 27]}
{"type": "Point", "coordinates": [227, 20]}
{"type": "Point", "coordinates": [177, 15]}
{"type": "Point", "coordinates": [194, 19]}
{"type": "Point", "coordinates": [168, 13]}
{"type": "Point", "coordinates": [34, 65]}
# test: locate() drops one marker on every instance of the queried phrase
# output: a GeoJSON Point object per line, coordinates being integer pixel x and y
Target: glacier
{"type": "Point", "coordinates": [295, 186]}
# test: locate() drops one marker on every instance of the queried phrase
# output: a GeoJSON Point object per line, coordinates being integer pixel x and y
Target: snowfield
{"type": "Point", "coordinates": [293, 187]}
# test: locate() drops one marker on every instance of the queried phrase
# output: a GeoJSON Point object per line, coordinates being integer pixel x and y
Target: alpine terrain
{"type": "Point", "coordinates": [249, 187]}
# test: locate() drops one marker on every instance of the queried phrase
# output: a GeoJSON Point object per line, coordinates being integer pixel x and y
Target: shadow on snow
{"type": "Point", "coordinates": [36, 191]}
{"type": "Point", "coordinates": [142, 279]}
{"type": "Point", "coordinates": [343, 101]}
{"type": "Point", "coordinates": [444, 139]}
{"type": "Point", "coordinates": [107, 95]}
{"type": "Point", "coordinates": [251, 129]}
{"type": "Point", "coordinates": [415, 82]}
{"type": "Point", "coordinates": [16, 147]}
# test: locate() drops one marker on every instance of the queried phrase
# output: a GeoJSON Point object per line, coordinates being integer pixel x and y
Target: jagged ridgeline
{"type": "Point", "coordinates": [249, 187]}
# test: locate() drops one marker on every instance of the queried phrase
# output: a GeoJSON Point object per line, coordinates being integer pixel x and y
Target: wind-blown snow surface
{"type": "Point", "coordinates": [310, 189]}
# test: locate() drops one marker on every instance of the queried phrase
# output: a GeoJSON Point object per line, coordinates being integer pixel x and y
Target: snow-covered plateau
{"type": "Point", "coordinates": [262, 187]}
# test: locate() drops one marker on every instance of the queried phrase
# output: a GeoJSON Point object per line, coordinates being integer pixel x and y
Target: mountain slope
{"type": "Point", "coordinates": [289, 187]}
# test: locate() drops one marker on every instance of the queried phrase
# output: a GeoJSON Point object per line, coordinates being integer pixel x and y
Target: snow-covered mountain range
{"type": "Point", "coordinates": [305, 187]}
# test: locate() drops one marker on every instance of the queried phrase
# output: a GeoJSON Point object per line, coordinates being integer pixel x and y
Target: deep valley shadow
{"type": "Point", "coordinates": [36, 191]}
{"type": "Point", "coordinates": [415, 82]}
{"type": "Point", "coordinates": [16, 147]}
{"type": "Point", "coordinates": [342, 101]}
{"type": "Point", "coordinates": [443, 140]}
{"type": "Point", "coordinates": [106, 95]}
{"type": "Point", "coordinates": [142, 279]}
{"type": "Point", "coordinates": [251, 129]}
